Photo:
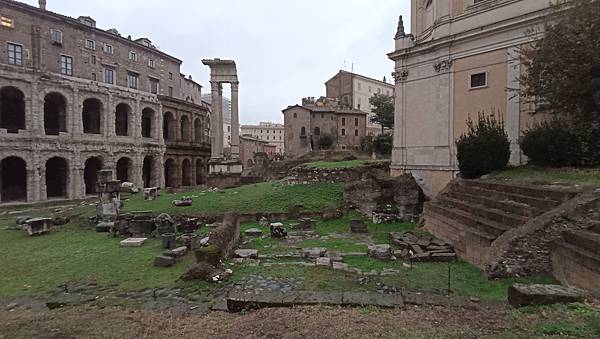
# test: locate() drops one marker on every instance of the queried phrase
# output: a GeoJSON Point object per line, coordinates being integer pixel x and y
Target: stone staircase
{"type": "Point", "coordinates": [472, 214]}
{"type": "Point", "coordinates": [576, 257]}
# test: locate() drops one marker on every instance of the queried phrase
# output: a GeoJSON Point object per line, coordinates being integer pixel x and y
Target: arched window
{"type": "Point", "coordinates": [303, 131]}
{"type": "Point", "coordinates": [147, 118]}
{"type": "Point", "coordinates": [55, 114]}
{"type": "Point", "coordinates": [12, 109]}
{"type": "Point", "coordinates": [92, 116]}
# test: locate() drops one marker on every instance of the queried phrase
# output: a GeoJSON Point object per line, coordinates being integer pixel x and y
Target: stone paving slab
{"type": "Point", "coordinates": [520, 295]}
{"type": "Point", "coordinates": [133, 242]}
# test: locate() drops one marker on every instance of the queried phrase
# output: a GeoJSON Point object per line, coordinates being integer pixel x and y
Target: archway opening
{"type": "Point", "coordinates": [90, 175]}
{"type": "Point", "coordinates": [122, 112]}
{"type": "Point", "coordinates": [170, 173]}
{"type": "Point", "coordinates": [186, 173]}
{"type": "Point", "coordinates": [168, 122]}
{"type": "Point", "coordinates": [12, 109]}
{"type": "Point", "coordinates": [185, 128]}
{"type": "Point", "coordinates": [55, 114]}
{"type": "Point", "coordinates": [148, 172]}
{"type": "Point", "coordinates": [56, 178]}
{"type": "Point", "coordinates": [124, 169]}
{"type": "Point", "coordinates": [13, 180]}
{"type": "Point", "coordinates": [198, 130]}
{"type": "Point", "coordinates": [91, 115]}
{"type": "Point", "coordinates": [147, 117]}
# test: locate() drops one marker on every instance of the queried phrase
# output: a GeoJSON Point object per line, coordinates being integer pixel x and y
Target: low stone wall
{"type": "Point", "coordinates": [308, 175]}
{"type": "Point", "coordinates": [527, 250]}
{"type": "Point", "coordinates": [252, 217]}
{"type": "Point", "coordinates": [226, 236]}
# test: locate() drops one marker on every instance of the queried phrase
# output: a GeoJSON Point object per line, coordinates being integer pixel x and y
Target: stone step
{"type": "Point", "coordinates": [585, 239]}
{"type": "Point", "coordinates": [478, 210]}
{"type": "Point", "coordinates": [480, 226]}
{"type": "Point", "coordinates": [539, 192]}
{"type": "Point", "coordinates": [512, 207]}
{"type": "Point", "coordinates": [583, 257]}
{"type": "Point", "coordinates": [541, 204]}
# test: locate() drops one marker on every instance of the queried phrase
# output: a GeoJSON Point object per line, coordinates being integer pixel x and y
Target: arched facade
{"type": "Point", "coordinates": [55, 114]}
{"type": "Point", "coordinates": [13, 179]}
{"type": "Point", "coordinates": [12, 109]}
{"type": "Point", "coordinates": [57, 178]}
{"type": "Point", "coordinates": [122, 119]}
{"type": "Point", "coordinates": [91, 116]}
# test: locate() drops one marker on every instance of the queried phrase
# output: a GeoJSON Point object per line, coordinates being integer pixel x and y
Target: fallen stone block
{"type": "Point", "coordinates": [104, 226]}
{"type": "Point", "coordinates": [38, 226]}
{"type": "Point", "coordinates": [339, 266]}
{"type": "Point", "coordinates": [443, 257]}
{"type": "Point", "coordinates": [520, 295]}
{"type": "Point", "coordinates": [380, 252]}
{"type": "Point", "coordinates": [253, 232]}
{"type": "Point", "coordinates": [164, 261]}
{"type": "Point", "coordinates": [323, 262]}
{"type": "Point", "coordinates": [150, 194]}
{"type": "Point", "coordinates": [421, 257]}
{"type": "Point", "coordinates": [313, 253]}
{"type": "Point", "coordinates": [183, 203]}
{"type": "Point", "coordinates": [22, 220]}
{"type": "Point", "coordinates": [246, 253]}
{"type": "Point", "coordinates": [59, 221]}
{"type": "Point", "coordinates": [133, 242]}
{"type": "Point", "coordinates": [178, 252]}
{"type": "Point", "coordinates": [129, 187]}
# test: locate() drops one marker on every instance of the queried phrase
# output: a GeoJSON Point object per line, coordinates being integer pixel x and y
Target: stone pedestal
{"type": "Point", "coordinates": [224, 173]}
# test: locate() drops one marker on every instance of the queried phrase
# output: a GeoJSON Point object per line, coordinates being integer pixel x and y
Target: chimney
{"type": "Point", "coordinates": [42, 4]}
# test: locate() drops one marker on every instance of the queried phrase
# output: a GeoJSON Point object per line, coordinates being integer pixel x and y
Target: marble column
{"type": "Point", "coordinates": [215, 133]}
{"type": "Point", "coordinates": [219, 103]}
{"type": "Point", "coordinates": [235, 122]}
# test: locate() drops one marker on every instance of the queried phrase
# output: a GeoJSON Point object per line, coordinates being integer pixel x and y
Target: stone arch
{"type": "Point", "coordinates": [91, 116]}
{"type": "Point", "coordinates": [147, 125]}
{"type": "Point", "coordinates": [199, 172]}
{"type": "Point", "coordinates": [122, 117]}
{"type": "Point", "coordinates": [168, 126]}
{"type": "Point", "coordinates": [57, 178]}
{"type": "Point", "coordinates": [55, 113]}
{"type": "Point", "coordinates": [13, 179]}
{"type": "Point", "coordinates": [185, 128]}
{"type": "Point", "coordinates": [125, 169]}
{"type": "Point", "coordinates": [170, 173]}
{"type": "Point", "coordinates": [90, 174]}
{"type": "Point", "coordinates": [198, 130]}
{"type": "Point", "coordinates": [12, 109]}
{"type": "Point", "coordinates": [186, 173]}
{"type": "Point", "coordinates": [149, 172]}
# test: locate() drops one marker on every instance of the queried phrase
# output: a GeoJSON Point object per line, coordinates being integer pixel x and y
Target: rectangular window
{"type": "Point", "coordinates": [108, 49]}
{"type": "Point", "coordinates": [478, 80]}
{"type": "Point", "coordinates": [355, 132]}
{"type": "Point", "coordinates": [93, 59]}
{"type": "Point", "coordinates": [94, 78]}
{"type": "Point", "coordinates": [90, 44]}
{"type": "Point", "coordinates": [132, 80]}
{"type": "Point", "coordinates": [56, 37]}
{"type": "Point", "coordinates": [170, 91]}
{"type": "Point", "coordinates": [153, 86]}
{"type": "Point", "coordinates": [151, 63]}
{"type": "Point", "coordinates": [66, 65]}
{"type": "Point", "coordinates": [355, 121]}
{"type": "Point", "coordinates": [109, 76]}
{"type": "Point", "coordinates": [6, 22]}
{"type": "Point", "coordinates": [343, 121]}
{"type": "Point", "coordinates": [133, 56]}
{"type": "Point", "coordinates": [343, 131]}
{"type": "Point", "coordinates": [170, 76]}
{"type": "Point", "coordinates": [15, 54]}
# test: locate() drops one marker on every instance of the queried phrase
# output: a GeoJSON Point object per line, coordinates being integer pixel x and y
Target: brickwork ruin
{"type": "Point", "coordinates": [75, 99]}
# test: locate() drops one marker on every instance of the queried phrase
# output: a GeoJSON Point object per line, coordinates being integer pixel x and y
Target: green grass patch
{"type": "Point", "coordinates": [465, 279]}
{"type": "Point", "coordinates": [262, 197]}
{"type": "Point", "coordinates": [534, 174]}
{"type": "Point", "coordinates": [337, 164]}
{"type": "Point", "coordinates": [564, 321]}
{"type": "Point", "coordinates": [37, 265]}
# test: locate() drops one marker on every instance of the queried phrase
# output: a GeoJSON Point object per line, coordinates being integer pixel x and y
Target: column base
{"type": "Point", "coordinates": [224, 173]}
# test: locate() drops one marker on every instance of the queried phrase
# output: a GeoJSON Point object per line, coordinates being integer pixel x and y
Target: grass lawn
{"type": "Point", "coordinates": [37, 265]}
{"type": "Point", "coordinates": [262, 197]}
{"type": "Point", "coordinates": [533, 174]}
{"type": "Point", "coordinates": [338, 164]}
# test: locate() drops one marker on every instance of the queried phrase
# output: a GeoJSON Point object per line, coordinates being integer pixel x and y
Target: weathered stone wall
{"type": "Point", "coordinates": [226, 236]}
{"type": "Point", "coordinates": [308, 175]}
{"type": "Point", "coordinates": [402, 194]}
{"type": "Point", "coordinates": [527, 250]}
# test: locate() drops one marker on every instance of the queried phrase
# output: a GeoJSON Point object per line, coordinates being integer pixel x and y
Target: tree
{"type": "Point", "coordinates": [325, 141]}
{"type": "Point", "coordinates": [561, 65]}
{"type": "Point", "coordinates": [384, 111]}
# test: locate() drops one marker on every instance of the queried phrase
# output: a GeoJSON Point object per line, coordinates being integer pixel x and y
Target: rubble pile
{"type": "Point", "coordinates": [421, 248]}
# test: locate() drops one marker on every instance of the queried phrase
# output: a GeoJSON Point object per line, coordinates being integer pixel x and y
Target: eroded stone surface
{"type": "Point", "coordinates": [520, 295]}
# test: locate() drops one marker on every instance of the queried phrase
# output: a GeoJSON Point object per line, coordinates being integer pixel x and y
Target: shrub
{"type": "Point", "coordinates": [550, 143]}
{"type": "Point", "coordinates": [559, 143]}
{"type": "Point", "coordinates": [366, 144]}
{"type": "Point", "coordinates": [325, 141]}
{"type": "Point", "coordinates": [483, 148]}
{"type": "Point", "coordinates": [383, 144]}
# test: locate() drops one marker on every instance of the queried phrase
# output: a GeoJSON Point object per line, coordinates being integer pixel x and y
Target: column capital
{"type": "Point", "coordinates": [235, 86]}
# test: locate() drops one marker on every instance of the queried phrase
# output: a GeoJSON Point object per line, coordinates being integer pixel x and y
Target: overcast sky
{"type": "Point", "coordinates": [284, 49]}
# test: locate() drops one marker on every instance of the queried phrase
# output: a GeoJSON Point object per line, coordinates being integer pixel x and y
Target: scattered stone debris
{"type": "Point", "coordinates": [380, 252]}
{"type": "Point", "coordinates": [311, 254]}
{"type": "Point", "coordinates": [200, 271]}
{"type": "Point", "coordinates": [264, 222]}
{"type": "Point", "coordinates": [520, 295]}
{"type": "Point", "coordinates": [105, 226]}
{"type": "Point", "coordinates": [358, 226]}
{"type": "Point", "coordinates": [133, 242]}
{"type": "Point", "coordinates": [305, 224]}
{"type": "Point", "coordinates": [169, 240]}
{"type": "Point", "coordinates": [150, 194]}
{"type": "Point", "coordinates": [60, 221]}
{"type": "Point", "coordinates": [253, 232]}
{"type": "Point", "coordinates": [22, 221]}
{"type": "Point", "coordinates": [330, 213]}
{"type": "Point", "coordinates": [421, 248]}
{"type": "Point", "coordinates": [278, 231]}
{"type": "Point", "coordinates": [164, 224]}
{"type": "Point", "coordinates": [183, 202]}
{"type": "Point", "coordinates": [246, 253]}
{"type": "Point", "coordinates": [38, 226]}
{"type": "Point", "coordinates": [190, 240]}
{"type": "Point", "coordinates": [170, 257]}
{"type": "Point", "coordinates": [129, 187]}
{"type": "Point", "coordinates": [323, 261]}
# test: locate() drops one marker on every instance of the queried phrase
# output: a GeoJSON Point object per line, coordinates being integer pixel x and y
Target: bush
{"type": "Point", "coordinates": [325, 141]}
{"type": "Point", "coordinates": [366, 144]}
{"type": "Point", "coordinates": [483, 148]}
{"type": "Point", "coordinates": [558, 143]}
{"type": "Point", "coordinates": [383, 144]}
